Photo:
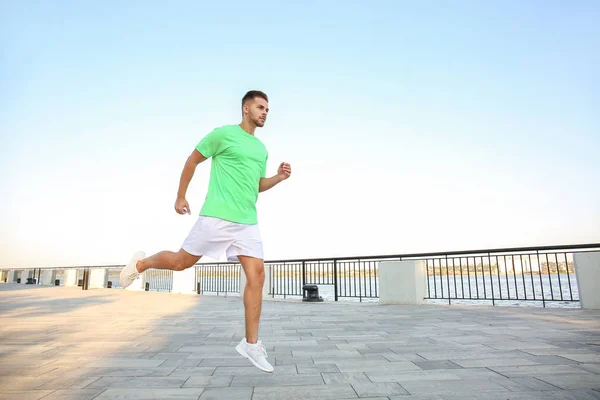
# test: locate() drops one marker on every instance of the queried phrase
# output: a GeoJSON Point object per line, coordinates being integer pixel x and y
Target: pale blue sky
{"type": "Point", "coordinates": [483, 116]}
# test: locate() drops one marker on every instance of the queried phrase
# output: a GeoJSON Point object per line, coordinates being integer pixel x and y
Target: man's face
{"type": "Point", "coordinates": [257, 110]}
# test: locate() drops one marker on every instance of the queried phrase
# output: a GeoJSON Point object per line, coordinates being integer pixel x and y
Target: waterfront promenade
{"type": "Point", "coordinates": [65, 343]}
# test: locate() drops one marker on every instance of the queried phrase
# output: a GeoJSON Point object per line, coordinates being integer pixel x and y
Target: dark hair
{"type": "Point", "coordinates": [251, 95]}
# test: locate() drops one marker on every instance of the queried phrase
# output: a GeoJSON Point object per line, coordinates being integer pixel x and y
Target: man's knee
{"type": "Point", "coordinates": [256, 278]}
{"type": "Point", "coordinates": [180, 266]}
{"type": "Point", "coordinates": [183, 260]}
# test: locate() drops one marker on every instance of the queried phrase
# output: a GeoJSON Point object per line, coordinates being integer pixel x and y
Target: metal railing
{"type": "Point", "coordinates": [530, 274]}
{"type": "Point", "coordinates": [510, 275]}
{"type": "Point", "coordinates": [218, 278]}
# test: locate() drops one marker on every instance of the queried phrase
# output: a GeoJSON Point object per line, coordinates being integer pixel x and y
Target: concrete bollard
{"type": "Point", "coordinates": [587, 270]}
{"type": "Point", "coordinates": [71, 277]}
{"type": "Point", "coordinates": [184, 282]}
{"type": "Point", "coordinates": [98, 278]}
{"type": "Point", "coordinates": [402, 282]}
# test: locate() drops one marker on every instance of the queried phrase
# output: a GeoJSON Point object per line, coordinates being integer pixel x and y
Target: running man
{"type": "Point", "coordinates": [228, 220]}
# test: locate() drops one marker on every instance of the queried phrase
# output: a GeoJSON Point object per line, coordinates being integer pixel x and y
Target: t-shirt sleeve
{"type": "Point", "coordinates": [211, 144]}
{"type": "Point", "coordinates": [263, 173]}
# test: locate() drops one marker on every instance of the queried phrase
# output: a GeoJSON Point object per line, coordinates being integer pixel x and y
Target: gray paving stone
{"type": "Point", "coordinates": [294, 361]}
{"type": "Point", "coordinates": [224, 362]}
{"type": "Point", "coordinates": [379, 389]}
{"type": "Point", "coordinates": [323, 392]}
{"type": "Point", "coordinates": [145, 382]}
{"type": "Point", "coordinates": [551, 360]}
{"type": "Point", "coordinates": [184, 362]}
{"type": "Point", "coordinates": [593, 368]}
{"type": "Point", "coordinates": [208, 381]}
{"type": "Point", "coordinates": [74, 394]}
{"type": "Point", "coordinates": [24, 394]}
{"type": "Point", "coordinates": [230, 393]}
{"type": "Point", "coordinates": [317, 368]}
{"type": "Point", "coordinates": [277, 380]}
{"type": "Point", "coordinates": [571, 381]}
{"type": "Point", "coordinates": [374, 365]}
{"type": "Point", "coordinates": [338, 378]}
{"type": "Point", "coordinates": [160, 371]}
{"type": "Point", "coordinates": [443, 364]}
{"type": "Point", "coordinates": [417, 376]}
{"type": "Point", "coordinates": [538, 370]}
{"type": "Point", "coordinates": [451, 387]}
{"type": "Point", "coordinates": [526, 384]}
{"type": "Point", "coordinates": [189, 371]}
{"type": "Point", "coordinates": [251, 370]}
{"type": "Point", "coordinates": [495, 362]}
{"type": "Point", "coordinates": [402, 357]}
{"type": "Point", "coordinates": [151, 394]}
{"type": "Point", "coordinates": [125, 363]}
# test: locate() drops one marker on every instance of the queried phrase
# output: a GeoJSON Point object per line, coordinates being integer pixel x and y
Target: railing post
{"type": "Point", "coordinates": [335, 283]}
{"type": "Point", "coordinates": [303, 273]}
{"type": "Point", "coordinates": [86, 274]}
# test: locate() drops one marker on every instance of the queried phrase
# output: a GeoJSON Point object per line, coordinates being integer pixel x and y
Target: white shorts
{"type": "Point", "coordinates": [212, 237]}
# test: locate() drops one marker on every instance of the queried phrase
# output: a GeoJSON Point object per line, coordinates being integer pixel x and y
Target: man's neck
{"type": "Point", "coordinates": [249, 127]}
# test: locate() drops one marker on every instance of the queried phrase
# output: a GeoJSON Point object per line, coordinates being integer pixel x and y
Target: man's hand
{"type": "Point", "coordinates": [182, 206]}
{"type": "Point", "coordinates": [284, 171]}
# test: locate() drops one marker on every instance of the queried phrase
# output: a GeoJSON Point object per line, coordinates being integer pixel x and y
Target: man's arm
{"type": "Point", "coordinates": [181, 204]}
{"type": "Point", "coordinates": [284, 172]}
{"type": "Point", "coordinates": [268, 183]}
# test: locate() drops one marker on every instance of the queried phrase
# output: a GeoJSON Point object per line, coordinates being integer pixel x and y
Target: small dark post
{"type": "Point", "coordinates": [335, 282]}
{"type": "Point", "coordinates": [109, 285]}
{"type": "Point", "coordinates": [147, 286]}
{"type": "Point", "coordinates": [310, 293]}
{"type": "Point", "coordinates": [197, 287]}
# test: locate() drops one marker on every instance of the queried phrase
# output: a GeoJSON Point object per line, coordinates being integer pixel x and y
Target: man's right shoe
{"type": "Point", "coordinates": [256, 353]}
{"type": "Point", "coordinates": [130, 273]}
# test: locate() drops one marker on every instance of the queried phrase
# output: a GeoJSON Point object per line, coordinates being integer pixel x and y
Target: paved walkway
{"type": "Point", "coordinates": [65, 343]}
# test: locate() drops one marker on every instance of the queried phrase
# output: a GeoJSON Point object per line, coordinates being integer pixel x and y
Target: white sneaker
{"type": "Point", "coordinates": [130, 273]}
{"type": "Point", "coordinates": [256, 353]}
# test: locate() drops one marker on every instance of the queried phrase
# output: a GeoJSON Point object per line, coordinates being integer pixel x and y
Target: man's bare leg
{"type": "Point", "coordinates": [254, 269]}
{"type": "Point", "coordinates": [168, 260]}
{"type": "Point", "coordinates": [162, 260]}
{"type": "Point", "coordinates": [250, 347]}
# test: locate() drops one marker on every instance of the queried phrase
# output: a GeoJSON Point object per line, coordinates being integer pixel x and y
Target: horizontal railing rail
{"type": "Point", "coordinates": [518, 274]}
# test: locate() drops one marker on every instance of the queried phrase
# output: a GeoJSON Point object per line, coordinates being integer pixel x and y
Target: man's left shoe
{"type": "Point", "coordinates": [256, 353]}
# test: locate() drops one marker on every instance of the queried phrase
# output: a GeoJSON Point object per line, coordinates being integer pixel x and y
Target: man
{"type": "Point", "coordinates": [228, 220]}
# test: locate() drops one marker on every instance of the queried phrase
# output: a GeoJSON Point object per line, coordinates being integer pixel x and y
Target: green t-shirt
{"type": "Point", "coordinates": [239, 161]}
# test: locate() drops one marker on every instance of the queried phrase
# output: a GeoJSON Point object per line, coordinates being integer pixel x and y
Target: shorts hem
{"type": "Point", "coordinates": [208, 254]}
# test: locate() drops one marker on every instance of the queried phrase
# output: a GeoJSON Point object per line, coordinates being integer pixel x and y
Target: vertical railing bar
{"type": "Point", "coordinates": [491, 277]}
{"type": "Point", "coordinates": [512, 258]}
{"type": "Point", "coordinates": [498, 273]}
{"type": "Point", "coordinates": [541, 273]}
{"type": "Point", "coordinates": [448, 279]}
{"type": "Point", "coordinates": [454, 277]}
{"type": "Point", "coordinates": [428, 285]}
{"type": "Point", "coordinates": [558, 272]}
{"type": "Point", "coordinates": [549, 277]}
{"type": "Point", "coordinates": [335, 281]}
{"type": "Point", "coordinates": [483, 277]}
{"type": "Point", "coordinates": [568, 275]}
{"type": "Point", "coordinates": [523, 276]}
{"type": "Point", "coordinates": [531, 274]}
